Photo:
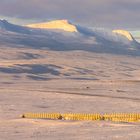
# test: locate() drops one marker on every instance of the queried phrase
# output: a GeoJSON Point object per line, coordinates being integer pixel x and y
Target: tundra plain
{"type": "Point", "coordinates": [39, 80]}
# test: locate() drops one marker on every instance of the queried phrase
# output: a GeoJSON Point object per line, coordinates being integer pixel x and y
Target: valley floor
{"type": "Point", "coordinates": [78, 82]}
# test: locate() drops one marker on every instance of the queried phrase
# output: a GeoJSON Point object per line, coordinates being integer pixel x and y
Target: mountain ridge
{"type": "Point", "coordinates": [70, 27]}
{"type": "Point", "coordinates": [64, 25]}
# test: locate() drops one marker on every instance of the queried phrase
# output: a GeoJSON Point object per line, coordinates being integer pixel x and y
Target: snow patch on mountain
{"type": "Point", "coordinates": [124, 33]}
{"type": "Point", "coordinates": [56, 24]}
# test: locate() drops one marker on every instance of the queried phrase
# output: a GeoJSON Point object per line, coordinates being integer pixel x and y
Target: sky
{"type": "Point", "coordinates": [98, 13]}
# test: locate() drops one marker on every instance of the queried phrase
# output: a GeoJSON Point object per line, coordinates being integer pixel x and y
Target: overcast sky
{"type": "Point", "coordinates": [102, 13]}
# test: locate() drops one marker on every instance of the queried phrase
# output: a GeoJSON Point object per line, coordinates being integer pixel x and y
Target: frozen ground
{"type": "Point", "coordinates": [33, 80]}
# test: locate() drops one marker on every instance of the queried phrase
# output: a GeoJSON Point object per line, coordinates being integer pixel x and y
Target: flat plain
{"type": "Point", "coordinates": [39, 80]}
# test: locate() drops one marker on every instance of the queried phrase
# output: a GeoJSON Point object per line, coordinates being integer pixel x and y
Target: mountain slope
{"type": "Point", "coordinates": [136, 34]}
{"type": "Point", "coordinates": [5, 25]}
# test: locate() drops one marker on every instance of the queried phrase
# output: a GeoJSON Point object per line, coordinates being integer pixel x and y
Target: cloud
{"type": "Point", "coordinates": [120, 13]}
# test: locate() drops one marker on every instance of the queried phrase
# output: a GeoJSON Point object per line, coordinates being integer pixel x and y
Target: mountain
{"type": "Point", "coordinates": [69, 27]}
{"type": "Point", "coordinates": [62, 35]}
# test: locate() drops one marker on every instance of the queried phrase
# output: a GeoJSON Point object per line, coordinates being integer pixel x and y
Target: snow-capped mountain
{"type": "Point", "coordinates": [64, 35]}
{"type": "Point", "coordinates": [69, 27]}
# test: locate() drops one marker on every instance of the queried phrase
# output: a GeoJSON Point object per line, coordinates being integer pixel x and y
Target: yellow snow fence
{"type": "Point", "coordinates": [115, 117]}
